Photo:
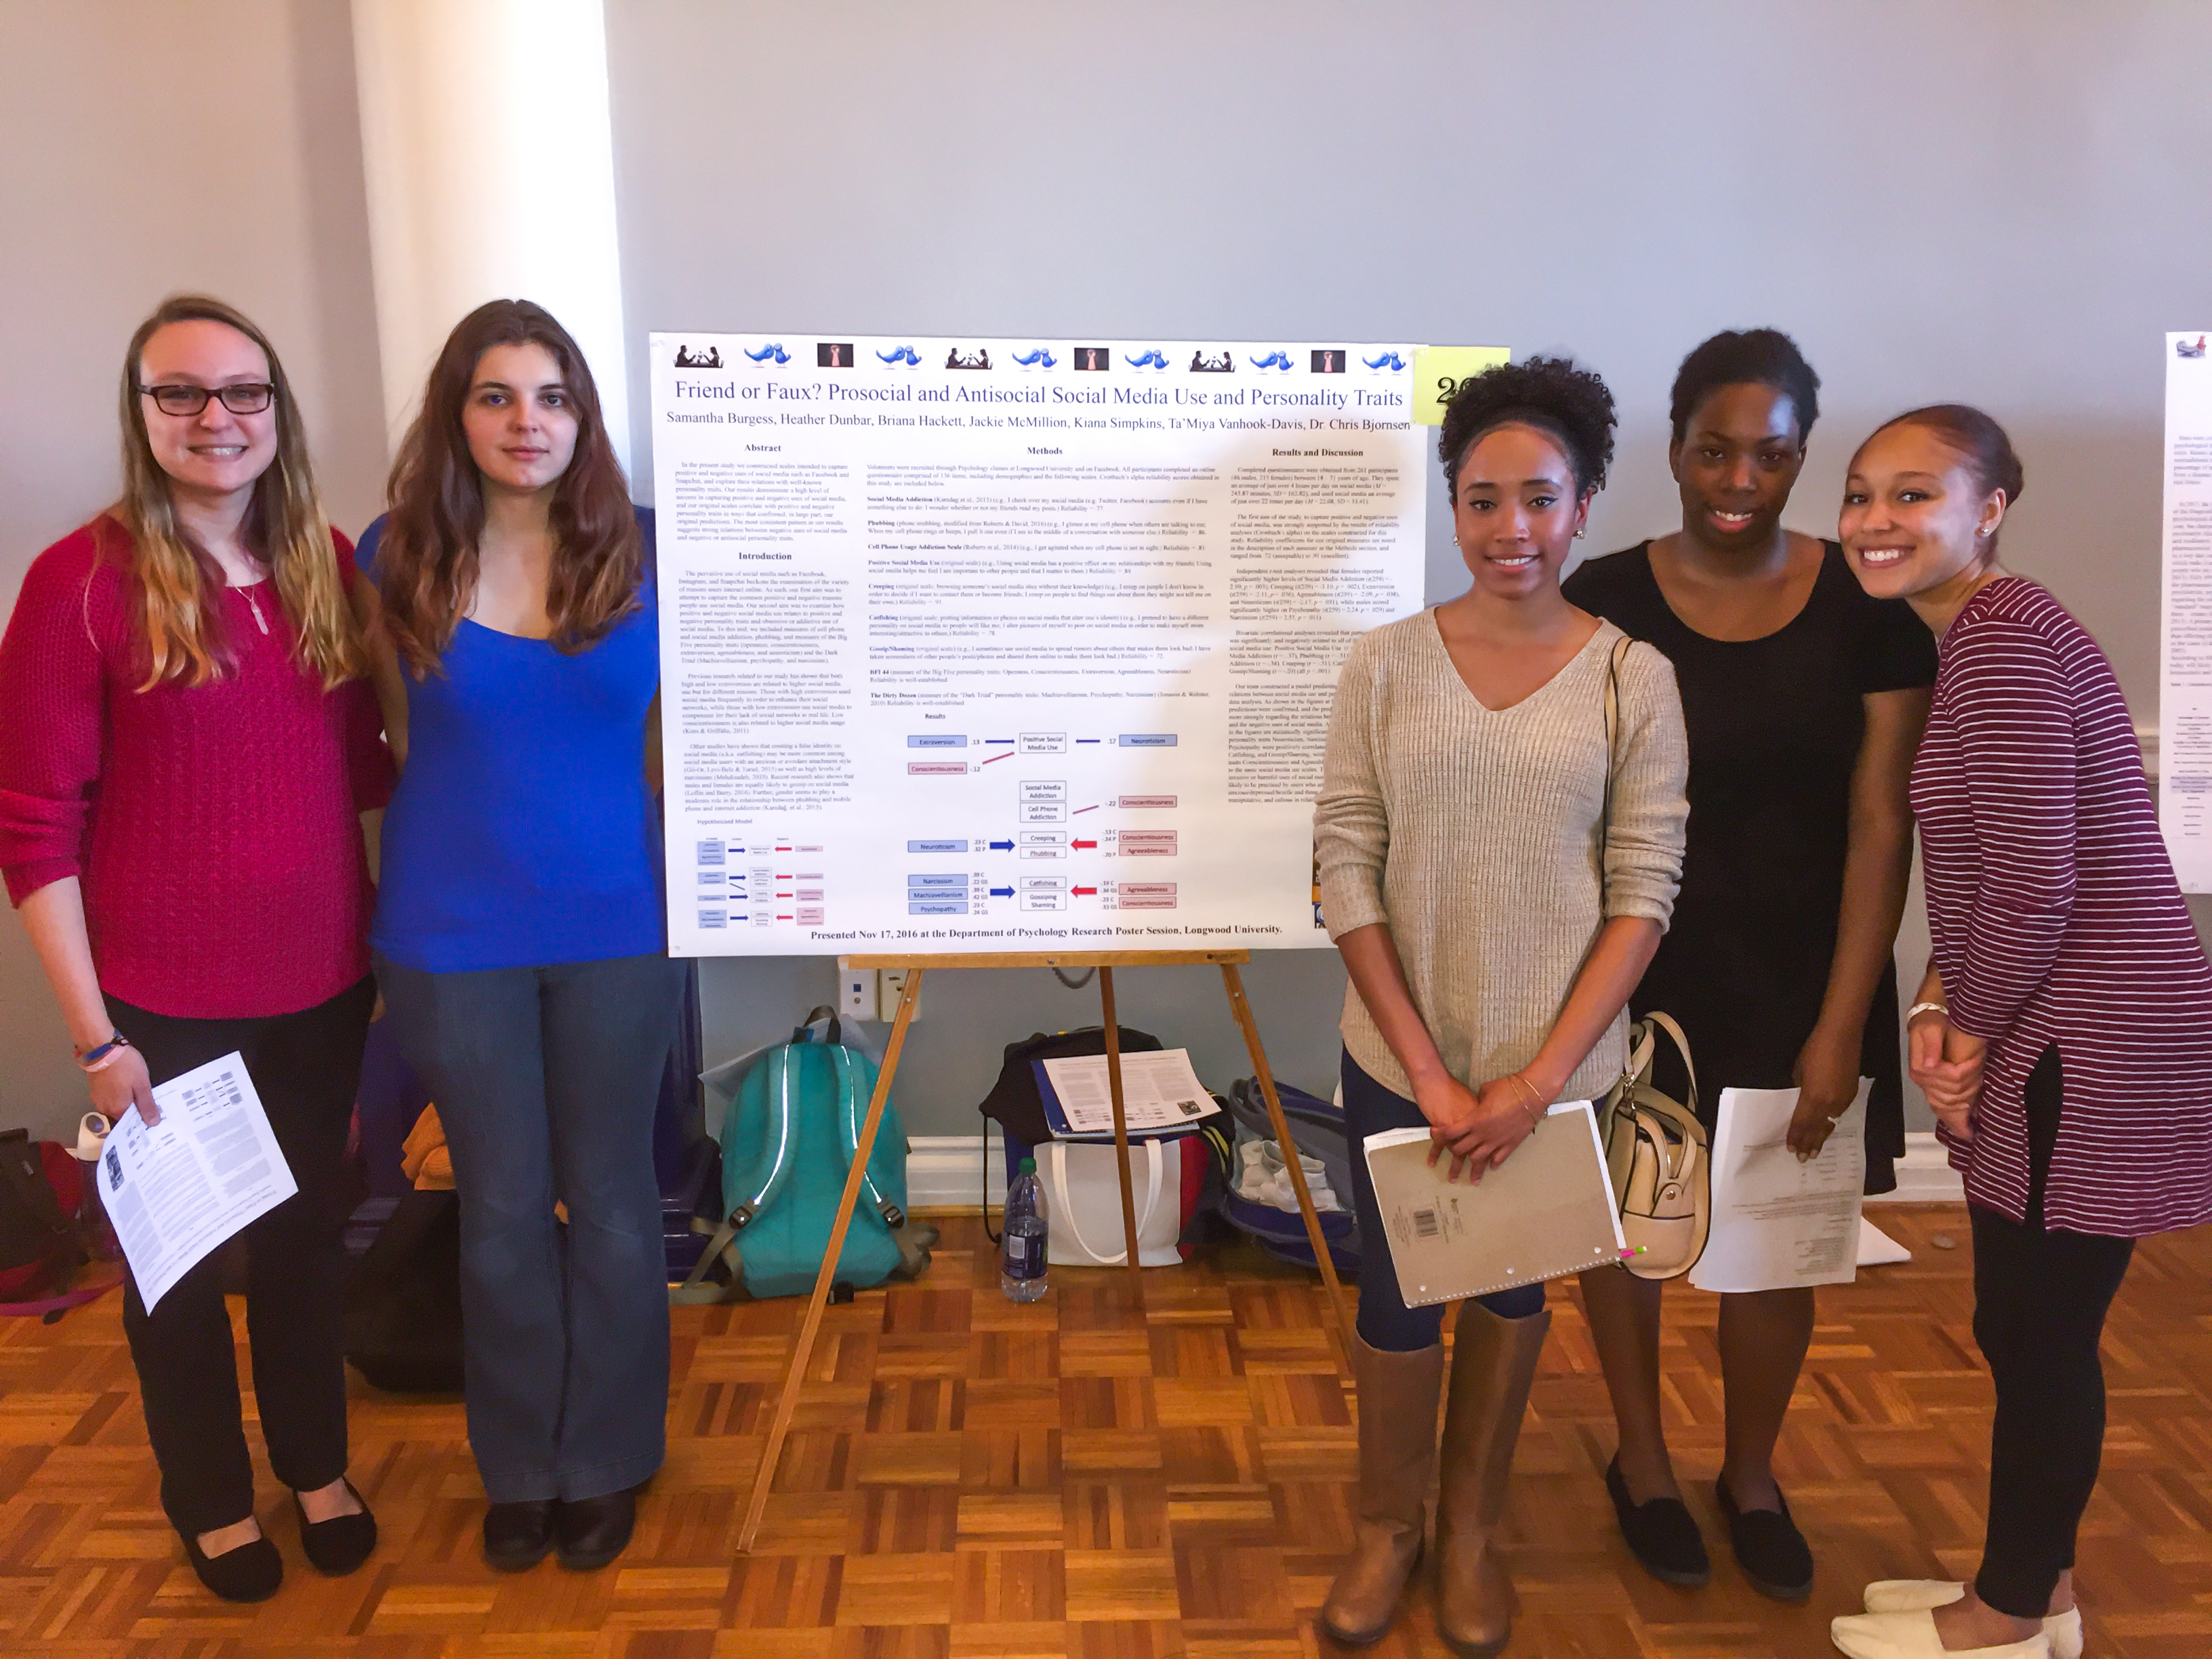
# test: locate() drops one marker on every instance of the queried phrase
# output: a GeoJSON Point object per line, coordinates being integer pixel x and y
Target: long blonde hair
{"type": "Point", "coordinates": [181, 627]}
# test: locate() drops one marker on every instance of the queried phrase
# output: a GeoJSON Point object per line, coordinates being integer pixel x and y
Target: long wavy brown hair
{"type": "Point", "coordinates": [176, 583]}
{"type": "Point", "coordinates": [426, 565]}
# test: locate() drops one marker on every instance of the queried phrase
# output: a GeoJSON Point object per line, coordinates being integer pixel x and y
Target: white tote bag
{"type": "Point", "coordinates": [1083, 1202]}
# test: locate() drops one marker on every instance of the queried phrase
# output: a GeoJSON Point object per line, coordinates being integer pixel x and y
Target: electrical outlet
{"type": "Point", "coordinates": [856, 993]}
{"type": "Point", "coordinates": [891, 982]}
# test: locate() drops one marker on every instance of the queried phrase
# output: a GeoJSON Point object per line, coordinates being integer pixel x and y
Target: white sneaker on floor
{"type": "Point", "coordinates": [1903, 1594]}
{"type": "Point", "coordinates": [1912, 1635]}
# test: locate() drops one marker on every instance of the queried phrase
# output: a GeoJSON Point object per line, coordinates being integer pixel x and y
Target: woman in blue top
{"type": "Point", "coordinates": [520, 939]}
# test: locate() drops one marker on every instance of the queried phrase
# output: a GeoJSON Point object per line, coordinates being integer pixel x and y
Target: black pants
{"type": "Point", "coordinates": [304, 1067]}
{"type": "Point", "coordinates": [1384, 1321]}
{"type": "Point", "coordinates": [2039, 1303]}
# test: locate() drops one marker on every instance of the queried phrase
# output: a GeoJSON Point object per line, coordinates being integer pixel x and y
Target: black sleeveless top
{"type": "Point", "coordinates": [1775, 725]}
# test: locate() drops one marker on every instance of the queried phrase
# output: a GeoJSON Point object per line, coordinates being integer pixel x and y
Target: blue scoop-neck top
{"type": "Point", "coordinates": [522, 832]}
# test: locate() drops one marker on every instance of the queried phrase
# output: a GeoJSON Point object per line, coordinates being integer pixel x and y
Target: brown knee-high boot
{"type": "Point", "coordinates": [1397, 1400]}
{"type": "Point", "coordinates": [1493, 1366]}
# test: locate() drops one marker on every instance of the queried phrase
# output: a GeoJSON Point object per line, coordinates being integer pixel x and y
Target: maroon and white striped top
{"type": "Point", "coordinates": [2056, 919]}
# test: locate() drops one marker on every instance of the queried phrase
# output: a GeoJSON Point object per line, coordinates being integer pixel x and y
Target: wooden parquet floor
{"type": "Point", "coordinates": [969, 1477]}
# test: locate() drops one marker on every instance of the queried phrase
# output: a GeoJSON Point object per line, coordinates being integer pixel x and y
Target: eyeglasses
{"type": "Point", "coordinates": [246, 398]}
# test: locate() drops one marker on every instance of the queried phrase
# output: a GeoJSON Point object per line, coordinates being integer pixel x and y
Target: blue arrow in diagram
{"type": "Point", "coordinates": [1002, 892]}
{"type": "Point", "coordinates": [1002, 846]}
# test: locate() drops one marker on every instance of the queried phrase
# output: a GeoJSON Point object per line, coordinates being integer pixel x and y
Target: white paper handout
{"type": "Point", "coordinates": [179, 1189]}
{"type": "Point", "coordinates": [1779, 1222]}
{"type": "Point", "coordinates": [1159, 1091]}
{"type": "Point", "coordinates": [1877, 1248]}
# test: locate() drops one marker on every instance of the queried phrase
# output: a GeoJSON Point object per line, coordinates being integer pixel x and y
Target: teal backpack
{"type": "Point", "coordinates": [789, 1139]}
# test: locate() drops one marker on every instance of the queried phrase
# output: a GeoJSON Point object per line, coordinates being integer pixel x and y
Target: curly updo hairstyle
{"type": "Point", "coordinates": [1567, 402]}
{"type": "Point", "coordinates": [1747, 357]}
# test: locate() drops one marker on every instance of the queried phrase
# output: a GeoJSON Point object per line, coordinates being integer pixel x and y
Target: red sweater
{"type": "Point", "coordinates": [214, 828]}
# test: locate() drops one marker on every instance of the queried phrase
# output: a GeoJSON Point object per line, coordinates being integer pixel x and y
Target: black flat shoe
{"type": "Point", "coordinates": [336, 1546]}
{"type": "Point", "coordinates": [592, 1531]}
{"type": "Point", "coordinates": [1768, 1547]}
{"type": "Point", "coordinates": [517, 1535]}
{"type": "Point", "coordinates": [1661, 1534]}
{"type": "Point", "coordinates": [252, 1572]}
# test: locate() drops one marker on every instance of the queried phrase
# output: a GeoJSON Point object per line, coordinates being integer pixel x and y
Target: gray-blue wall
{"type": "Point", "coordinates": [2000, 200]}
{"type": "Point", "coordinates": [1984, 200]}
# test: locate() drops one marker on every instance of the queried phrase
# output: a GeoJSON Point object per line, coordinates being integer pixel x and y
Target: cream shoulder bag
{"type": "Point", "coordinates": [1656, 1149]}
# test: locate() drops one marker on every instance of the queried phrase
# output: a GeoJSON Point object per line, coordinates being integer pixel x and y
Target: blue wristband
{"type": "Point", "coordinates": [92, 1057]}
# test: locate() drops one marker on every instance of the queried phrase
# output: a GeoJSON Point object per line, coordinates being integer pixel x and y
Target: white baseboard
{"type": "Point", "coordinates": [1924, 1174]}
{"type": "Point", "coordinates": [945, 1172]}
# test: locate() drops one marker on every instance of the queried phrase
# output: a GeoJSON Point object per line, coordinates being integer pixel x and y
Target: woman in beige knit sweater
{"type": "Point", "coordinates": [1493, 916]}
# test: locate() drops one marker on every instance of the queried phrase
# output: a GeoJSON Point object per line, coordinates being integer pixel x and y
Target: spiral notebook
{"type": "Point", "coordinates": [1546, 1212]}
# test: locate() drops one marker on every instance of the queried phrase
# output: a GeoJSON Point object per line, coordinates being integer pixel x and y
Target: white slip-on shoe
{"type": "Point", "coordinates": [1912, 1635]}
{"type": "Point", "coordinates": [1903, 1594]}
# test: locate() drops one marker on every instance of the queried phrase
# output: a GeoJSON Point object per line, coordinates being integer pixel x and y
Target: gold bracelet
{"type": "Point", "coordinates": [1536, 1107]}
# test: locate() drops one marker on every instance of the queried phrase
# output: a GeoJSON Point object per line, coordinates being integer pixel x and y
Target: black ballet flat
{"type": "Point", "coordinates": [336, 1546]}
{"type": "Point", "coordinates": [516, 1536]}
{"type": "Point", "coordinates": [1662, 1534]}
{"type": "Point", "coordinates": [590, 1532]}
{"type": "Point", "coordinates": [1776, 1560]}
{"type": "Point", "coordinates": [252, 1572]}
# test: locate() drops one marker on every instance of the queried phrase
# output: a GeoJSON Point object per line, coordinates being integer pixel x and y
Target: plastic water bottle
{"type": "Point", "coordinates": [1023, 1250]}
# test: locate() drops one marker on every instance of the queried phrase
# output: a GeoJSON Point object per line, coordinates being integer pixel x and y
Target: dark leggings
{"type": "Point", "coordinates": [1385, 1321]}
{"type": "Point", "coordinates": [304, 1067]}
{"type": "Point", "coordinates": [2039, 1303]}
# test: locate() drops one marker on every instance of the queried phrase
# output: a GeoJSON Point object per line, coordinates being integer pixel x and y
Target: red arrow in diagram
{"type": "Point", "coordinates": [1083, 890]}
{"type": "Point", "coordinates": [1082, 843]}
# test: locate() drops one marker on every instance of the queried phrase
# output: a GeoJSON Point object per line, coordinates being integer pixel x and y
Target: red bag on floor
{"type": "Point", "coordinates": [40, 1187]}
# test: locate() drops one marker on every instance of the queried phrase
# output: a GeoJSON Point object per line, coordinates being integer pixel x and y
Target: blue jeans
{"type": "Point", "coordinates": [1385, 1321]}
{"type": "Point", "coordinates": [546, 1080]}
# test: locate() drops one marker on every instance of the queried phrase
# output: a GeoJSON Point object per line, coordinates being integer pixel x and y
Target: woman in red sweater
{"type": "Point", "coordinates": [2064, 1033]}
{"type": "Point", "coordinates": [188, 745]}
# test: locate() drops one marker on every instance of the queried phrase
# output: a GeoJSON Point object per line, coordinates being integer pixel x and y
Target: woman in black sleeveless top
{"type": "Point", "coordinates": [1805, 700]}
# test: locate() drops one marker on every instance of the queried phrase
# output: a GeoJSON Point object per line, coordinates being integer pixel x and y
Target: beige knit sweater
{"type": "Point", "coordinates": [1475, 835]}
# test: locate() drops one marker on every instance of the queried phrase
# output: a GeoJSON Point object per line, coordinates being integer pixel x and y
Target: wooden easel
{"type": "Point", "coordinates": [1105, 962]}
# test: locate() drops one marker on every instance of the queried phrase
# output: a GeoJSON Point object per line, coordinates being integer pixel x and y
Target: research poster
{"type": "Point", "coordinates": [1014, 644]}
{"type": "Point", "coordinates": [2185, 738]}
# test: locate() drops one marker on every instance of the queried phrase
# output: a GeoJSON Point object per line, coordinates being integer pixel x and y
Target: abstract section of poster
{"type": "Point", "coordinates": [1014, 644]}
{"type": "Point", "coordinates": [2185, 707]}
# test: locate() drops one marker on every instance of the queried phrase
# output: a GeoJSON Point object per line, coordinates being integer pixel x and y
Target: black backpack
{"type": "Point", "coordinates": [1014, 1104]}
{"type": "Point", "coordinates": [403, 1317]}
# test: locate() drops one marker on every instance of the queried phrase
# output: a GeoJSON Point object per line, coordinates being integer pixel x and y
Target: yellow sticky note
{"type": "Point", "coordinates": [1438, 370]}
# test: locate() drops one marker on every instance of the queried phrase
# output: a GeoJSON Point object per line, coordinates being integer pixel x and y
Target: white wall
{"type": "Point", "coordinates": [1999, 200]}
{"type": "Point", "coordinates": [150, 146]}
{"type": "Point", "coordinates": [1986, 199]}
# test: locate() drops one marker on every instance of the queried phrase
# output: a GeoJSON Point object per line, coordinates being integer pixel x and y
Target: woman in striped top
{"type": "Point", "coordinates": [2063, 1032]}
